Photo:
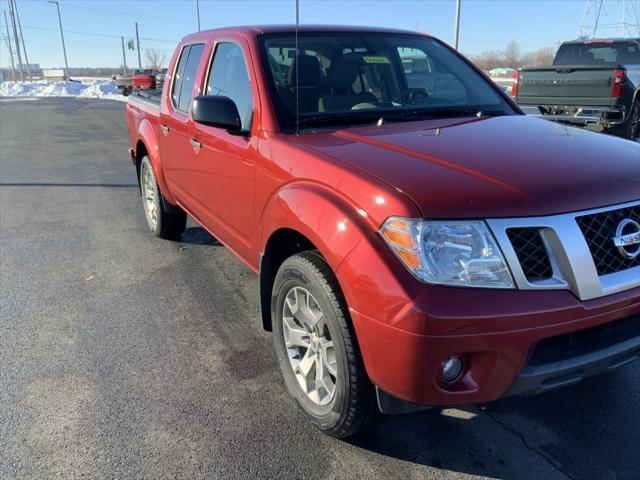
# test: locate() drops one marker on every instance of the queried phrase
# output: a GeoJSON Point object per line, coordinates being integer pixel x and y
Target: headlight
{"type": "Point", "coordinates": [462, 253]}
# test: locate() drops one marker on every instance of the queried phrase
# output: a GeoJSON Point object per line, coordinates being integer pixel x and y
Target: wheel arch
{"type": "Point", "coordinates": [147, 145]}
{"type": "Point", "coordinates": [302, 217]}
{"type": "Point", "coordinates": [282, 244]}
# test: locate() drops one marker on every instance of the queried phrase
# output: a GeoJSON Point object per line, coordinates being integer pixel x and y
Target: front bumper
{"type": "Point", "coordinates": [567, 359]}
{"type": "Point", "coordinates": [407, 330]}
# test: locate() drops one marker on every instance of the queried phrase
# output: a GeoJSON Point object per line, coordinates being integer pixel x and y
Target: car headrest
{"type": "Point", "coordinates": [343, 71]}
{"type": "Point", "coordinates": [308, 69]}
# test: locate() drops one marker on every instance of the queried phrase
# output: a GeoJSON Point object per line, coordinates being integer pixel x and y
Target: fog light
{"type": "Point", "coordinates": [452, 368]}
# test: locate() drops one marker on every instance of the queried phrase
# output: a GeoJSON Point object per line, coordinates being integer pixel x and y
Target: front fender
{"type": "Point", "coordinates": [330, 221]}
{"type": "Point", "coordinates": [147, 136]}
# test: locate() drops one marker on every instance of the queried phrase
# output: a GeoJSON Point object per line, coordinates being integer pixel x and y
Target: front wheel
{"type": "Point", "coordinates": [162, 222]}
{"type": "Point", "coordinates": [317, 349]}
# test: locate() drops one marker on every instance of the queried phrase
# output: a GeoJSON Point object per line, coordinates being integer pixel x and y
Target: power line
{"type": "Point", "coordinates": [105, 35]}
{"type": "Point", "coordinates": [129, 15]}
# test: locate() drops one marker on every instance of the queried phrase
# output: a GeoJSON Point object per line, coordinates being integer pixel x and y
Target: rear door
{"type": "Point", "coordinates": [175, 124]}
{"type": "Point", "coordinates": [223, 170]}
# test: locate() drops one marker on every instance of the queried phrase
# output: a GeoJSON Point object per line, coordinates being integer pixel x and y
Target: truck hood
{"type": "Point", "coordinates": [491, 167]}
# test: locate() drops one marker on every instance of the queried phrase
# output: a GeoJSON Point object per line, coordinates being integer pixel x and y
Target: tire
{"type": "Point", "coordinates": [163, 223]}
{"type": "Point", "coordinates": [125, 92]}
{"type": "Point", "coordinates": [631, 128]}
{"type": "Point", "coordinates": [351, 406]}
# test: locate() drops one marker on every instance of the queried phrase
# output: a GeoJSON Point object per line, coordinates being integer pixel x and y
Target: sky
{"type": "Point", "coordinates": [93, 27]}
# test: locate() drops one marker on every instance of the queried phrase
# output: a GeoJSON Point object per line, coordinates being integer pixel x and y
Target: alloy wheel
{"type": "Point", "coordinates": [149, 196]}
{"type": "Point", "coordinates": [309, 346]}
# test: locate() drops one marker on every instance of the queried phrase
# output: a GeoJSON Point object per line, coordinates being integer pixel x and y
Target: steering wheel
{"type": "Point", "coordinates": [413, 95]}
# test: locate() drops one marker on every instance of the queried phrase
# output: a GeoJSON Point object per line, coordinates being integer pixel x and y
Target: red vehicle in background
{"type": "Point", "coordinates": [419, 241]}
{"type": "Point", "coordinates": [144, 80]}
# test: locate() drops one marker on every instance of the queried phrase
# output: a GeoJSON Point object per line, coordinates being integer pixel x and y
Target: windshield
{"type": "Point", "coordinates": [598, 54]}
{"type": "Point", "coordinates": [349, 78]}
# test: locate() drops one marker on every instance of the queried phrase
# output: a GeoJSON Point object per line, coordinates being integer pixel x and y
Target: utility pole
{"type": "Point", "coordinates": [198, 13]}
{"type": "Point", "coordinates": [15, 38]}
{"type": "Point", "coordinates": [64, 49]}
{"type": "Point", "coordinates": [124, 57]}
{"type": "Point", "coordinates": [24, 49]}
{"type": "Point", "coordinates": [8, 39]}
{"type": "Point", "coordinates": [138, 42]}
{"type": "Point", "coordinates": [456, 31]}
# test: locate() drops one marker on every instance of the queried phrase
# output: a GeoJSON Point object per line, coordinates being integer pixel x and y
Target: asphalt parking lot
{"type": "Point", "coordinates": [126, 356]}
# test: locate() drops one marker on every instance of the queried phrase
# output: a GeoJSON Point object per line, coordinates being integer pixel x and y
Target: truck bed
{"type": "Point", "coordinates": [143, 105]}
{"type": "Point", "coordinates": [148, 96]}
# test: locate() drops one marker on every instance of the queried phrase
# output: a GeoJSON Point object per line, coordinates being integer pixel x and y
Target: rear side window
{"type": "Point", "coordinates": [230, 78]}
{"type": "Point", "coordinates": [177, 76]}
{"type": "Point", "coordinates": [185, 76]}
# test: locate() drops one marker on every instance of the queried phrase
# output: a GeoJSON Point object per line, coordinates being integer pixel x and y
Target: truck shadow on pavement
{"type": "Point", "coordinates": [198, 236]}
{"type": "Point", "coordinates": [57, 184]}
{"type": "Point", "coordinates": [585, 431]}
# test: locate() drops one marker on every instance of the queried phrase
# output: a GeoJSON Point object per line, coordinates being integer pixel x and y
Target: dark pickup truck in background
{"type": "Point", "coordinates": [591, 83]}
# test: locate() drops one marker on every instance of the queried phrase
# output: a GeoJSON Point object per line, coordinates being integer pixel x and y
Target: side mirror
{"type": "Point", "coordinates": [216, 111]}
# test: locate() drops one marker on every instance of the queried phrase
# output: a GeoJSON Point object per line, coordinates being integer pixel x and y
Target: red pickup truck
{"type": "Point", "coordinates": [143, 80]}
{"type": "Point", "coordinates": [420, 242]}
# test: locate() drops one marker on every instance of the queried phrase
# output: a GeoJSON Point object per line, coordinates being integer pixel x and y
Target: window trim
{"type": "Point", "coordinates": [209, 72]}
{"type": "Point", "coordinates": [175, 76]}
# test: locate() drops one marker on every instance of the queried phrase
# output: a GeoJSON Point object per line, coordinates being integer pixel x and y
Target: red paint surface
{"type": "Point", "coordinates": [337, 188]}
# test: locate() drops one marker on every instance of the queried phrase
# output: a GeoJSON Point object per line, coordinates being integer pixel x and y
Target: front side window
{"type": "Point", "coordinates": [337, 78]}
{"type": "Point", "coordinates": [230, 78]}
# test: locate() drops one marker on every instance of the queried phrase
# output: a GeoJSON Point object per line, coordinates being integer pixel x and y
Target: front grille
{"type": "Point", "coordinates": [598, 230]}
{"type": "Point", "coordinates": [575, 344]}
{"type": "Point", "coordinates": [531, 253]}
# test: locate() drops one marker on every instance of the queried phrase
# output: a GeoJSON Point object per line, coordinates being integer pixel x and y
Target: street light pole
{"type": "Point", "coordinates": [198, 13]}
{"type": "Point", "coordinates": [64, 49]}
{"type": "Point", "coordinates": [13, 67]}
{"type": "Point", "coordinates": [138, 42]}
{"type": "Point", "coordinates": [15, 38]}
{"type": "Point", "coordinates": [124, 57]}
{"type": "Point", "coordinates": [24, 49]}
{"type": "Point", "coordinates": [456, 32]}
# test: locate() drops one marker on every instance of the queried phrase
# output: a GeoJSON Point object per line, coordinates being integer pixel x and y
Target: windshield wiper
{"type": "Point", "coordinates": [338, 119]}
{"type": "Point", "coordinates": [424, 114]}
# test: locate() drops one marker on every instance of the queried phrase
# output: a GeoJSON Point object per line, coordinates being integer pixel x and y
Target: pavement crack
{"type": "Point", "coordinates": [529, 447]}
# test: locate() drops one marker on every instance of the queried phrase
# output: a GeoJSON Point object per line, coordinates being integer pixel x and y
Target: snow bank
{"type": "Point", "coordinates": [90, 89]}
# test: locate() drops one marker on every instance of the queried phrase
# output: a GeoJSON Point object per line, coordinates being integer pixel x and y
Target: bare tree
{"type": "Point", "coordinates": [539, 58]}
{"type": "Point", "coordinates": [154, 58]}
{"type": "Point", "coordinates": [512, 54]}
{"type": "Point", "coordinates": [512, 58]}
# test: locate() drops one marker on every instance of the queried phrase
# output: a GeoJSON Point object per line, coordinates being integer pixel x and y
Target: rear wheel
{"type": "Point", "coordinates": [631, 128]}
{"type": "Point", "coordinates": [317, 349]}
{"type": "Point", "coordinates": [162, 222]}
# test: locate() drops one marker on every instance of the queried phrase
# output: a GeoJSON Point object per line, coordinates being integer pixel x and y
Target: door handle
{"type": "Point", "coordinates": [164, 128]}
{"type": "Point", "coordinates": [195, 143]}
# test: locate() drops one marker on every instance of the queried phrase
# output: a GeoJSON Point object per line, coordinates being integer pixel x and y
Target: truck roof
{"type": "Point", "coordinates": [601, 40]}
{"type": "Point", "coordinates": [252, 30]}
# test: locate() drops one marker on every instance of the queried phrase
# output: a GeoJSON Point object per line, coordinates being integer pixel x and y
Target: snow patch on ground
{"type": "Point", "coordinates": [105, 89]}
